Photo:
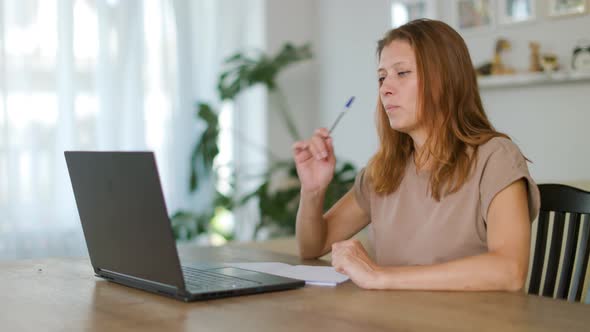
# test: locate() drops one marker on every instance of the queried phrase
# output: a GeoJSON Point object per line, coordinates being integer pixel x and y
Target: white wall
{"type": "Point", "coordinates": [292, 21]}
{"type": "Point", "coordinates": [550, 124]}
{"type": "Point", "coordinates": [348, 32]}
{"type": "Point", "coordinates": [547, 122]}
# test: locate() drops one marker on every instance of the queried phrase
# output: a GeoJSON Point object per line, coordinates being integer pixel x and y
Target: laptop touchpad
{"type": "Point", "coordinates": [239, 273]}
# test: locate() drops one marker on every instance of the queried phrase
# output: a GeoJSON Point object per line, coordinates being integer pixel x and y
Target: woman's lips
{"type": "Point", "coordinates": [391, 108]}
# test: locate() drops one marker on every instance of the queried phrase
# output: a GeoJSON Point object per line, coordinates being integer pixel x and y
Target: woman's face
{"type": "Point", "coordinates": [398, 86]}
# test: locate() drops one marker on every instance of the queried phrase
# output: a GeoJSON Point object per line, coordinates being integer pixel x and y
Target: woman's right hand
{"type": "Point", "coordinates": [315, 161]}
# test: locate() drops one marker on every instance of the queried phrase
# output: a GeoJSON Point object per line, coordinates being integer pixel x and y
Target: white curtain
{"type": "Point", "coordinates": [101, 75]}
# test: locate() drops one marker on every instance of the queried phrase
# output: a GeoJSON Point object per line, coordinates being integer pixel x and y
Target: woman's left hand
{"type": "Point", "coordinates": [350, 258]}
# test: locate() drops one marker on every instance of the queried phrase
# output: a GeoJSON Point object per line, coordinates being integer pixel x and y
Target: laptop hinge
{"type": "Point", "coordinates": [138, 282]}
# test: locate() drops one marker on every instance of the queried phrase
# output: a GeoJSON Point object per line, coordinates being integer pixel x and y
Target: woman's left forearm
{"type": "Point", "coordinates": [489, 271]}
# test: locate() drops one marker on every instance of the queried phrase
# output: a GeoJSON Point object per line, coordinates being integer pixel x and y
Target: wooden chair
{"type": "Point", "coordinates": [561, 200]}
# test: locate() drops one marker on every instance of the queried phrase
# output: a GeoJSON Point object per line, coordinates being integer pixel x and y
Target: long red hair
{"type": "Point", "coordinates": [449, 107]}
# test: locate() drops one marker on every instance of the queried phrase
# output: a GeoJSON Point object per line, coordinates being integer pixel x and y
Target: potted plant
{"type": "Point", "coordinates": [277, 203]}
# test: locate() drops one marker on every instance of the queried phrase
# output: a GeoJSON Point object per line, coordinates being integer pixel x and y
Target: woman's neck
{"type": "Point", "coordinates": [422, 160]}
{"type": "Point", "coordinates": [421, 155]}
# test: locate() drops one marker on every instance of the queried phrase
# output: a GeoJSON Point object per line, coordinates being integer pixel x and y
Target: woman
{"type": "Point", "coordinates": [449, 200]}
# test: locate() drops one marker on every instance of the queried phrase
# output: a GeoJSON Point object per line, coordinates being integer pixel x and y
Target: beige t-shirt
{"type": "Point", "coordinates": [409, 227]}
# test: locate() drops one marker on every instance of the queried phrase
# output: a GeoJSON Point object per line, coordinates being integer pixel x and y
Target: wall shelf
{"type": "Point", "coordinates": [528, 79]}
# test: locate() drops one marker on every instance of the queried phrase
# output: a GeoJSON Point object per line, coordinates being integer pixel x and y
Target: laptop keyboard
{"type": "Point", "coordinates": [196, 279]}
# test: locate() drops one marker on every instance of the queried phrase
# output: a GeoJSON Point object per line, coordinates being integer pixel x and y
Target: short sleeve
{"type": "Point", "coordinates": [361, 190]}
{"type": "Point", "coordinates": [505, 164]}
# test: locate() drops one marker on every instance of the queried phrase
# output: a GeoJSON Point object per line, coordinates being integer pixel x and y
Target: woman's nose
{"type": "Point", "coordinates": [387, 87]}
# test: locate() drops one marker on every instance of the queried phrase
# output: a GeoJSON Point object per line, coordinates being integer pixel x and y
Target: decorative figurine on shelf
{"type": "Point", "coordinates": [535, 65]}
{"type": "Point", "coordinates": [581, 56]}
{"type": "Point", "coordinates": [484, 69]}
{"type": "Point", "coordinates": [549, 62]}
{"type": "Point", "coordinates": [498, 67]}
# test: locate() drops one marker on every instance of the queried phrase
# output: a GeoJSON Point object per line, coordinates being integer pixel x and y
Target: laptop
{"type": "Point", "coordinates": [129, 235]}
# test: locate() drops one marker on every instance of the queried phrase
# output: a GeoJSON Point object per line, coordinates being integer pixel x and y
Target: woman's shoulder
{"type": "Point", "coordinates": [362, 189]}
{"type": "Point", "coordinates": [500, 163]}
{"type": "Point", "coordinates": [497, 143]}
{"type": "Point", "coordinates": [499, 147]}
{"type": "Point", "coordinates": [363, 179]}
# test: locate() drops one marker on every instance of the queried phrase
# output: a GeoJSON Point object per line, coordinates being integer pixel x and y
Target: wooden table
{"type": "Point", "coordinates": [63, 295]}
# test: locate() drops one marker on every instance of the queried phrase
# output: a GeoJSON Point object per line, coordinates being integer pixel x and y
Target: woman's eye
{"type": "Point", "coordinates": [403, 73]}
{"type": "Point", "coordinates": [381, 79]}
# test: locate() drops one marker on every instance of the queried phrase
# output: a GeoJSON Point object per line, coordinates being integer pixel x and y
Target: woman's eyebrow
{"type": "Point", "coordinates": [393, 65]}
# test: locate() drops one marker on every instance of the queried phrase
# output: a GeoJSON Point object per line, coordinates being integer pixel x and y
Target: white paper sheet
{"type": "Point", "coordinates": [313, 275]}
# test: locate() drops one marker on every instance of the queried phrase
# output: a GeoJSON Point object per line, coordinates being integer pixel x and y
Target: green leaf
{"type": "Point", "coordinates": [206, 149]}
{"type": "Point", "coordinates": [194, 181]}
{"type": "Point", "coordinates": [246, 72]}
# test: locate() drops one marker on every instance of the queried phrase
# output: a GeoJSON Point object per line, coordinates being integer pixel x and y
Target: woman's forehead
{"type": "Point", "coordinates": [396, 53]}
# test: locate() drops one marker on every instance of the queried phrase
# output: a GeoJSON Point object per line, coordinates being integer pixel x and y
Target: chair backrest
{"type": "Point", "coordinates": [561, 200]}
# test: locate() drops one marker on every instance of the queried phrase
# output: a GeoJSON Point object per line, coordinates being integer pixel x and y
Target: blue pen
{"type": "Point", "coordinates": [346, 107]}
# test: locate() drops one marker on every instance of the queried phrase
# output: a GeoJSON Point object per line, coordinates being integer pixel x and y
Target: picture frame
{"type": "Point", "coordinates": [403, 11]}
{"type": "Point", "coordinates": [516, 11]}
{"type": "Point", "coordinates": [559, 8]}
{"type": "Point", "coordinates": [474, 15]}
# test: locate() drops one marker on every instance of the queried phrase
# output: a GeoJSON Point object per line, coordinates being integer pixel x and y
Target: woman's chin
{"type": "Point", "coordinates": [398, 127]}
